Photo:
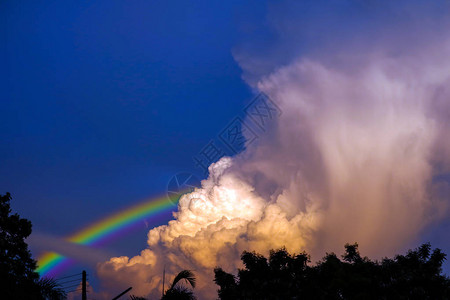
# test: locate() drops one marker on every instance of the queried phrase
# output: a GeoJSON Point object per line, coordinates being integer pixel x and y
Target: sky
{"type": "Point", "coordinates": [103, 102]}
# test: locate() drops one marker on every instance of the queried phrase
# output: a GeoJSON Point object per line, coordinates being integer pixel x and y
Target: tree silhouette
{"type": "Point", "coordinates": [176, 291]}
{"type": "Point", "coordinates": [416, 275]}
{"type": "Point", "coordinates": [179, 292]}
{"type": "Point", "coordinates": [18, 279]}
{"type": "Point", "coordinates": [50, 289]}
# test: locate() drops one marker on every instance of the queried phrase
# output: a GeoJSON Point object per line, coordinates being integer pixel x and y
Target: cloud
{"type": "Point", "coordinates": [355, 155]}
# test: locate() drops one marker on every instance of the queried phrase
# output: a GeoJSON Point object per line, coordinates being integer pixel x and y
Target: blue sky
{"type": "Point", "coordinates": [103, 102]}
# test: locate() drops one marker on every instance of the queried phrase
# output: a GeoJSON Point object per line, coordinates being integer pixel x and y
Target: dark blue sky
{"type": "Point", "coordinates": [104, 101]}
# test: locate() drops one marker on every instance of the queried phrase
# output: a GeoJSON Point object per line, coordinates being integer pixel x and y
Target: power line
{"type": "Point", "coordinates": [69, 281]}
{"type": "Point", "coordinates": [68, 276]}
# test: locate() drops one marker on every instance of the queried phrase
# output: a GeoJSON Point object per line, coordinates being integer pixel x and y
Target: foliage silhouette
{"type": "Point", "coordinates": [416, 275]}
{"type": "Point", "coordinates": [176, 291]}
{"type": "Point", "coordinates": [18, 279]}
{"type": "Point", "coordinates": [50, 289]}
{"type": "Point", "coordinates": [179, 293]}
{"type": "Point", "coordinates": [187, 275]}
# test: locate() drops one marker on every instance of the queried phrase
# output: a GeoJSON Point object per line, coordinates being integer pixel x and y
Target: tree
{"type": "Point", "coordinates": [227, 282]}
{"type": "Point", "coordinates": [176, 291]}
{"type": "Point", "coordinates": [179, 292]}
{"type": "Point", "coordinates": [50, 289]}
{"type": "Point", "coordinates": [416, 275]}
{"type": "Point", "coordinates": [18, 279]}
{"type": "Point", "coordinates": [273, 278]}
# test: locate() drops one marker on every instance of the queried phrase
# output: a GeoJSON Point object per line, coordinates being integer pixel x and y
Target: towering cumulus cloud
{"type": "Point", "coordinates": [356, 155]}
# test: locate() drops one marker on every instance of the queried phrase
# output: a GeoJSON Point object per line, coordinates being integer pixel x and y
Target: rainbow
{"type": "Point", "coordinates": [51, 263]}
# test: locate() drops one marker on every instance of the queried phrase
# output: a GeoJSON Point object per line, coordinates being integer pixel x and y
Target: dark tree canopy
{"type": "Point", "coordinates": [16, 265]}
{"type": "Point", "coordinates": [18, 279]}
{"type": "Point", "coordinates": [416, 275]}
{"type": "Point", "coordinates": [177, 291]}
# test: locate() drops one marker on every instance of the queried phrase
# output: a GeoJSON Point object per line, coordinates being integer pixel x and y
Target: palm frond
{"type": "Point", "coordinates": [179, 293]}
{"type": "Point", "coordinates": [186, 275]}
{"type": "Point", "coordinates": [50, 289]}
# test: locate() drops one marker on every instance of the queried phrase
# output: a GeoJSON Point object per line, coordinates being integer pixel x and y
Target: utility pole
{"type": "Point", "coordinates": [83, 287]}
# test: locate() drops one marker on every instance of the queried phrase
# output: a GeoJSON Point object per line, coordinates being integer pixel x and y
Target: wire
{"type": "Point", "coordinates": [69, 281]}
{"type": "Point", "coordinates": [68, 276]}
